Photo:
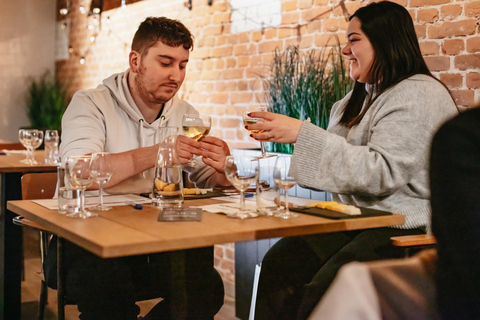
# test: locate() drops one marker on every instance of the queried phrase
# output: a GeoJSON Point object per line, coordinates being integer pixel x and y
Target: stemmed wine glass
{"type": "Point", "coordinates": [102, 168]}
{"type": "Point", "coordinates": [249, 120]}
{"type": "Point", "coordinates": [31, 139]}
{"type": "Point", "coordinates": [80, 176]}
{"type": "Point", "coordinates": [284, 180]}
{"type": "Point", "coordinates": [242, 171]}
{"type": "Point", "coordinates": [196, 127]}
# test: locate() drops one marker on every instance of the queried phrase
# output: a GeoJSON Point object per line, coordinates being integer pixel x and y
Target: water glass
{"type": "Point", "coordinates": [52, 155]}
{"type": "Point", "coordinates": [266, 190]}
{"type": "Point", "coordinates": [168, 183]}
{"type": "Point", "coordinates": [68, 200]}
{"type": "Point", "coordinates": [167, 136]}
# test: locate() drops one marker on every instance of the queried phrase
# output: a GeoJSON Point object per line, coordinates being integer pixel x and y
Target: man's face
{"type": "Point", "coordinates": [161, 72]}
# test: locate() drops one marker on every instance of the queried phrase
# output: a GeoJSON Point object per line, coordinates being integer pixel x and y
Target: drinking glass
{"type": "Point", "coordinates": [80, 176]}
{"type": "Point", "coordinates": [282, 177]}
{"type": "Point", "coordinates": [266, 189]}
{"type": "Point", "coordinates": [249, 120]}
{"type": "Point", "coordinates": [51, 147]}
{"type": "Point", "coordinates": [31, 139]}
{"type": "Point", "coordinates": [166, 136]}
{"type": "Point", "coordinates": [102, 168]}
{"type": "Point", "coordinates": [196, 127]}
{"type": "Point", "coordinates": [242, 171]}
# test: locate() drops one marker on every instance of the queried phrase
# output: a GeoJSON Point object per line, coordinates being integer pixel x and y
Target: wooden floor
{"type": "Point", "coordinates": [31, 289]}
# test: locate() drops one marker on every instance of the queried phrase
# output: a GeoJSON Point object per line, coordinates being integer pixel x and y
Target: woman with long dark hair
{"type": "Point", "coordinates": [373, 154]}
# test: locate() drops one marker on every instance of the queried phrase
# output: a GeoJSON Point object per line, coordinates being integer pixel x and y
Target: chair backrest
{"type": "Point", "coordinates": [12, 146]}
{"type": "Point", "coordinates": [40, 185]}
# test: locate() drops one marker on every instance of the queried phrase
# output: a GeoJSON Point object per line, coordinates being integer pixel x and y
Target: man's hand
{"type": "Point", "coordinates": [186, 148]}
{"type": "Point", "coordinates": [214, 152]}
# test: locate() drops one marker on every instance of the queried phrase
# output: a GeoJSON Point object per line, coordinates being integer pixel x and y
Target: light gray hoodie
{"type": "Point", "coordinates": [107, 119]}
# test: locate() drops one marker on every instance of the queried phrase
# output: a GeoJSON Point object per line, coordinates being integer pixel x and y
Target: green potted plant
{"type": "Point", "coordinates": [46, 103]}
{"type": "Point", "coordinates": [305, 84]}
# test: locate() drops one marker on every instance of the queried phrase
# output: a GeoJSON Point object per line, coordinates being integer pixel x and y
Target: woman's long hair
{"type": "Point", "coordinates": [389, 27]}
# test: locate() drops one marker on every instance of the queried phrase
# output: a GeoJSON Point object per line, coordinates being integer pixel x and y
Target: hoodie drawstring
{"type": "Point", "coordinates": [142, 142]}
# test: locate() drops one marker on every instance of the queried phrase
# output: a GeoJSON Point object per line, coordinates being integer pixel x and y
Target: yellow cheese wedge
{"type": "Point", "coordinates": [159, 184]}
{"type": "Point", "coordinates": [169, 187]}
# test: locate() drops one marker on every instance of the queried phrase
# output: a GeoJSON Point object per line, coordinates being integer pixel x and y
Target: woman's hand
{"type": "Point", "coordinates": [275, 128]}
{"type": "Point", "coordinates": [214, 152]}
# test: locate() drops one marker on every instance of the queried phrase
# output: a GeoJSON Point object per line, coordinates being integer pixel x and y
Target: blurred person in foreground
{"type": "Point", "coordinates": [373, 154]}
{"type": "Point", "coordinates": [121, 116]}
{"type": "Point", "coordinates": [455, 185]}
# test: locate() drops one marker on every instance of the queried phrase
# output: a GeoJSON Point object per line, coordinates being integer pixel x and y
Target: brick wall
{"type": "Point", "coordinates": [223, 72]}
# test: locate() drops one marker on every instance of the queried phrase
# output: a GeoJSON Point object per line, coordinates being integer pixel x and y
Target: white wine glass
{"type": "Point", "coordinates": [80, 176]}
{"type": "Point", "coordinates": [196, 127]}
{"type": "Point", "coordinates": [285, 181]}
{"type": "Point", "coordinates": [247, 120]}
{"type": "Point", "coordinates": [102, 168]}
{"type": "Point", "coordinates": [242, 171]}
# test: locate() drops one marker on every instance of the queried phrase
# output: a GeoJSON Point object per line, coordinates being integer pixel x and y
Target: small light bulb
{"type": "Point", "coordinates": [63, 11]}
{"type": "Point", "coordinates": [82, 9]}
{"type": "Point", "coordinates": [92, 38]}
{"type": "Point", "coordinates": [82, 60]}
{"type": "Point", "coordinates": [89, 26]}
{"type": "Point", "coordinates": [96, 10]}
{"type": "Point", "coordinates": [64, 26]}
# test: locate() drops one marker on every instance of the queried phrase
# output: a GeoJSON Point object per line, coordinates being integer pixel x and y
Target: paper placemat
{"type": "Point", "coordinates": [111, 200]}
{"type": "Point", "coordinates": [227, 208]}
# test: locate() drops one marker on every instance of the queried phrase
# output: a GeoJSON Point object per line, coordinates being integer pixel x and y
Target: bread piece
{"type": "Point", "coordinates": [159, 184]}
{"type": "Point", "coordinates": [335, 206]}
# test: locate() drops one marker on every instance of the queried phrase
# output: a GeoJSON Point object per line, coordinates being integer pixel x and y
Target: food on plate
{"type": "Point", "coordinates": [334, 206]}
{"type": "Point", "coordinates": [196, 191]}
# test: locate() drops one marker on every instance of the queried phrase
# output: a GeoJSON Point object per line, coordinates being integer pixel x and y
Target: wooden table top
{"type": "Point", "coordinates": [125, 231]}
{"type": "Point", "coordinates": [11, 163]}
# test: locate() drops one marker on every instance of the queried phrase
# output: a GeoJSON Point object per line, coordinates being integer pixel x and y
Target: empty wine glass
{"type": "Point", "coordinates": [284, 180]}
{"type": "Point", "coordinates": [196, 127]}
{"type": "Point", "coordinates": [24, 139]}
{"type": "Point", "coordinates": [242, 171]}
{"type": "Point", "coordinates": [31, 139]}
{"type": "Point", "coordinates": [249, 120]}
{"type": "Point", "coordinates": [102, 168]}
{"type": "Point", "coordinates": [80, 176]}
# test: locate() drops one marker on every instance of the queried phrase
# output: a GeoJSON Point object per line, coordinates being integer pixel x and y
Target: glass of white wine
{"type": "Point", "coordinates": [285, 181]}
{"type": "Point", "coordinates": [196, 127]}
{"type": "Point", "coordinates": [80, 176]}
{"type": "Point", "coordinates": [247, 120]}
{"type": "Point", "coordinates": [242, 171]}
{"type": "Point", "coordinates": [102, 168]}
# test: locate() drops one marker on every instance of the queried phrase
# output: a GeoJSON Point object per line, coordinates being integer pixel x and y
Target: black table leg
{"type": "Point", "coordinates": [11, 246]}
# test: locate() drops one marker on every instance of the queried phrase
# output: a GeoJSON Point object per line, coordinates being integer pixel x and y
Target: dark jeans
{"type": "Point", "coordinates": [297, 271]}
{"type": "Point", "coordinates": [108, 288]}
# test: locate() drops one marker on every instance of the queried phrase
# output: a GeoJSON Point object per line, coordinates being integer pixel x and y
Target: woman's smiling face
{"type": "Point", "coordinates": [359, 51]}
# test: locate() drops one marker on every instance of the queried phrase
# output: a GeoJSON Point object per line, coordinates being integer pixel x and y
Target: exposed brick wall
{"type": "Point", "coordinates": [223, 72]}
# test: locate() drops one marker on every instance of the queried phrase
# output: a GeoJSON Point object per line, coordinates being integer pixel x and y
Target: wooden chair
{"type": "Point", "coordinates": [410, 245]}
{"type": "Point", "coordinates": [38, 186]}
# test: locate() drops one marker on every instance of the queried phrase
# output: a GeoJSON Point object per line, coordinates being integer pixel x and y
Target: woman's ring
{"type": "Point", "coordinates": [269, 134]}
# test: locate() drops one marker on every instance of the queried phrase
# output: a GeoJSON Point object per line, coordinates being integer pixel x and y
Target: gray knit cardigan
{"type": "Point", "coordinates": [382, 162]}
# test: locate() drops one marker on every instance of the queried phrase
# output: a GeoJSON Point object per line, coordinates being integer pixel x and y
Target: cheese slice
{"type": "Point", "coordinates": [335, 206]}
{"type": "Point", "coordinates": [196, 191]}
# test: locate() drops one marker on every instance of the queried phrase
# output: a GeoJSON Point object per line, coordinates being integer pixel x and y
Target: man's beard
{"type": "Point", "coordinates": [142, 88]}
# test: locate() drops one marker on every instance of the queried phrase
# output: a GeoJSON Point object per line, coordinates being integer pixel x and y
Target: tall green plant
{"type": "Point", "coordinates": [305, 84]}
{"type": "Point", "coordinates": [46, 102]}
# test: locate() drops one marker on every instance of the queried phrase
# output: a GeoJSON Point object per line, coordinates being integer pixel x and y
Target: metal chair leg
{"type": "Point", "coordinates": [60, 278]}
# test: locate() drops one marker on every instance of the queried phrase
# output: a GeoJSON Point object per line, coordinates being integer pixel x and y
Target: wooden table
{"type": "Point", "coordinates": [11, 245]}
{"type": "Point", "coordinates": [125, 231]}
